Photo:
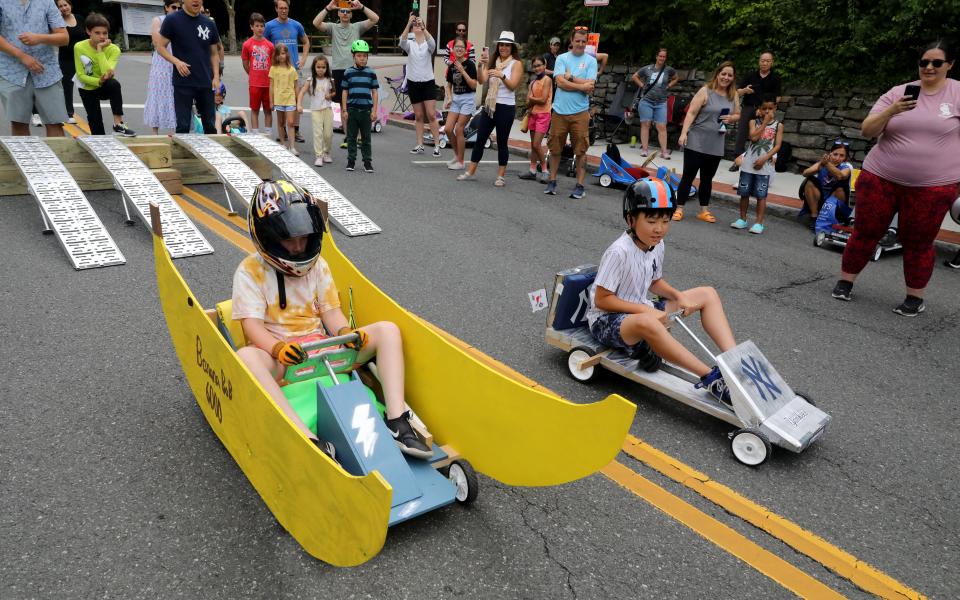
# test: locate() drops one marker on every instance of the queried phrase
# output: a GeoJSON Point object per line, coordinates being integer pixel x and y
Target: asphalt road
{"type": "Point", "coordinates": [113, 485]}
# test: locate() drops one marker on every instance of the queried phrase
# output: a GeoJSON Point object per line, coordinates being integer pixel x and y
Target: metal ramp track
{"type": "Point", "coordinates": [237, 178]}
{"type": "Point", "coordinates": [62, 204]}
{"type": "Point", "coordinates": [138, 185]}
{"type": "Point", "coordinates": [347, 217]}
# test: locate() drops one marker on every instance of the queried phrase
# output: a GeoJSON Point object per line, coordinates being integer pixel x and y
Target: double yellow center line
{"type": "Point", "coordinates": [233, 229]}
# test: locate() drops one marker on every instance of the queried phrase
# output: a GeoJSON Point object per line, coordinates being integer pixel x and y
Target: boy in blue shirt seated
{"type": "Point", "coordinates": [285, 292]}
{"type": "Point", "coordinates": [622, 316]}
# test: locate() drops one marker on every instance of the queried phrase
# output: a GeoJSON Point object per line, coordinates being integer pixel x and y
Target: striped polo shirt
{"type": "Point", "coordinates": [359, 84]}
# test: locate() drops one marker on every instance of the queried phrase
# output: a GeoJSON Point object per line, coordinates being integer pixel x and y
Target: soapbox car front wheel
{"type": "Point", "coordinates": [443, 142]}
{"type": "Point", "coordinates": [574, 358]}
{"type": "Point", "coordinates": [606, 180]}
{"type": "Point", "coordinates": [819, 239]}
{"type": "Point", "coordinates": [877, 254]}
{"type": "Point", "coordinates": [464, 478]}
{"type": "Point", "coordinates": [750, 446]}
{"type": "Point", "coordinates": [378, 127]}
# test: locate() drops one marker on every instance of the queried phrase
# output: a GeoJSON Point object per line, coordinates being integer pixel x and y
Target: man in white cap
{"type": "Point", "coordinates": [576, 75]}
{"type": "Point", "coordinates": [550, 57]}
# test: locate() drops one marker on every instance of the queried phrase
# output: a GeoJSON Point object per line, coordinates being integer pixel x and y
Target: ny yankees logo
{"type": "Point", "coordinates": [583, 303]}
{"type": "Point", "coordinates": [757, 372]}
{"type": "Point", "coordinates": [203, 32]}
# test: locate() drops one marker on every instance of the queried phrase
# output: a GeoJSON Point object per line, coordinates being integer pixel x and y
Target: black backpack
{"type": "Point", "coordinates": [783, 157]}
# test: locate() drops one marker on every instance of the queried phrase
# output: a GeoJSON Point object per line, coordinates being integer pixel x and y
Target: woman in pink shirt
{"type": "Point", "coordinates": [914, 170]}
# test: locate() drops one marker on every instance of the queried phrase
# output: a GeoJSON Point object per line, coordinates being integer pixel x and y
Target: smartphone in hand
{"type": "Point", "coordinates": [912, 91]}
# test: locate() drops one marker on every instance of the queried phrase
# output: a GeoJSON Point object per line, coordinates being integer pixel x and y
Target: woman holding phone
{"type": "Point", "coordinates": [421, 82]}
{"type": "Point", "coordinates": [712, 110]}
{"type": "Point", "coordinates": [913, 171]}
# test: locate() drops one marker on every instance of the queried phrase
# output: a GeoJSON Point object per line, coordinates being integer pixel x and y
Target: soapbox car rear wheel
{"type": "Point", "coordinates": [819, 239]}
{"type": "Point", "coordinates": [606, 180]}
{"type": "Point", "coordinates": [443, 142]}
{"type": "Point", "coordinates": [378, 127]}
{"type": "Point", "coordinates": [574, 358]}
{"type": "Point", "coordinates": [464, 478]}
{"type": "Point", "coordinates": [487, 143]}
{"type": "Point", "coordinates": [750, 446]}
{"type": "Point", "coordinates": [877, 254]}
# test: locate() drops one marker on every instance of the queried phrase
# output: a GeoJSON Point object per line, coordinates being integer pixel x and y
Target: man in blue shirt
{"type": "Point", "coordinates": [29, 70]}
{"type": "Point", "coordinates": [287, 31]}
{"type": "Point", "coordinates": [575, 73]}
{"type": "Point", "coordinates": [195, 61]}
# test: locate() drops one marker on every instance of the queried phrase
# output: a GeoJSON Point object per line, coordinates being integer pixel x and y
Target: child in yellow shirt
{"type": "Point", "coordinates": [283, 94]}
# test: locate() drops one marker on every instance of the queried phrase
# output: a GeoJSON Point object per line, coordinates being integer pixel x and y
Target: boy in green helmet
{"type": "Point", "coordinates": [359, 104]}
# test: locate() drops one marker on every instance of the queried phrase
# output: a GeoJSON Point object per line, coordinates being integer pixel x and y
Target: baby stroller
{"type": "Point", "coordinates": [469, 132]}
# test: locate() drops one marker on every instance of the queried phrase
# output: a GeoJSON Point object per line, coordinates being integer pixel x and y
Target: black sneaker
{"type": "Point", "coordinates": [734, 168]}
{"type": "Point", "coordinates": [889, 238]}
{"type": "Point", "coordinates": [953, 263]}
{"type": "Point", "coordinates": [298, 138]}
{"type": "Point", "coordinates": [528, 175]}
{"type": "Point", "coordinates": [367, 166]}
{"type": "Point", "coordinates": [351, 165]}
{"type": "Point", "coordinates": [842, 290]}
{"type": "Point", "coordinates": [407, 439]}
{"type": "Point", "coordinates": [911, 307]}
{"type": "Point", "coordinates": [122, 129]}
{"type": "Point", "coordinates": [327, 448]}
{"type": "Point", "coordinates": [646, 358]}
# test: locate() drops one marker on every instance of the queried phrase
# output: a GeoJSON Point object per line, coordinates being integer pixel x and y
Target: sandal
{"type": "Point", "coordinates": [707, 217]}
{"type": "Point", "coordinates": [678, 214]}
{"type": "Point", "coordinates": [500, 182]}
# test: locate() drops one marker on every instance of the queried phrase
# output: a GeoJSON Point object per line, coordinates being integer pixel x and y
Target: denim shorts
{"type": "Point", "coordinates": [284, 108]}
{"type": "Point", "coordinates": [649, 111]}
{"type": "Point", "coordinates": [463, 104]}
{"type": "Point", "coordinates": [753, 185]}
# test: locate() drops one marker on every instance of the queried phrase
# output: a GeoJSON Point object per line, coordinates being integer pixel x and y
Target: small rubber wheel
{"type": "Point", "coordinates": [487, 143]}
{"type": "Point", "coordinates": [805, 396]}
{"type": "Point", "coordinates": [464, 478]}
{"type": "Point", "coordinates": [819, 239]}
{"type": "Point", "coordinates": [378, 127]}
{"type": "Point", "coordinates": [574, 358]}
{"type": "Point", "coordinates": [876, 254]}
{"type": "Point", "coordinates": [443, 142]}
{"type": "Point", "coordinates": [750, 447]}
{"type": "Point", "coordinates": [606, 180]}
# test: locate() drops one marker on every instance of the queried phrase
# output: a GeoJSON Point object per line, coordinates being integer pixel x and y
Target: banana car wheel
{"type": "Point", "coordinates": [464, 478]}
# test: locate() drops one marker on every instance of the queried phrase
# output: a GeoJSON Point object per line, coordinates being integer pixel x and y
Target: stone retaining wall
{"type": "Point", "coordinates": [812, 119]}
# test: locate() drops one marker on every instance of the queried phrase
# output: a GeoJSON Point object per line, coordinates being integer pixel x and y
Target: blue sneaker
{"type": "Point", "coordinates": [739, 224]}
{"type": "Point", "coordinates": [713, 382]}
{"type": "Point", "coordinates": [578, 192]}
{"type": "Point", "coordinates": [757, 228]}
{"type": "Point", "coordinates": [551, 188]}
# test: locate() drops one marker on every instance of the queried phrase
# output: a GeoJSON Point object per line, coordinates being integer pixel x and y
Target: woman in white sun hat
{"type": "Point", "coordinates": [503, 71]}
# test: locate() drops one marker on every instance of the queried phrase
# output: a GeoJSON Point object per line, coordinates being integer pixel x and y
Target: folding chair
{"type": "Point", "coordinates": [401, 102]}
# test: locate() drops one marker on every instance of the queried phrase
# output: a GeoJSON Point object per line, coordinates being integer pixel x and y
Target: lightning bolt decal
{"type": "Point", "coordinates": [364, 424]}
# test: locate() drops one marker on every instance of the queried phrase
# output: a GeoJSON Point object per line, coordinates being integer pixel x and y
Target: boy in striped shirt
{"type": "Point", "coordinates": [359, 104]}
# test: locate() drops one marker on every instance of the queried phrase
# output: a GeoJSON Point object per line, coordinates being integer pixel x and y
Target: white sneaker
{"type": "Point", "coordinates": [318, 162]}
{"type": "Point", "coordinates": [327, 159]}
{"type": "Point", "coordinates": [418, 149]}
{"type": "Point", "coordinates": [35, 120]}
{"type": "Point", "coordinates": [453, 165]}
{"type": "Point", "coordinates": [436, 151]}
{"type": "Point", "coordinates": [72, 121]}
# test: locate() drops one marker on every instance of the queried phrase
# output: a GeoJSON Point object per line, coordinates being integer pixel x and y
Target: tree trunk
{"type": "Point", "coordinates": [232, 29]}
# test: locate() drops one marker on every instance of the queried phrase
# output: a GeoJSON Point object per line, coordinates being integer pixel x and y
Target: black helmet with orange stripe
{"type": "Point", "coordinates": [649, 195]}
{"type": "Point", "coordinates": [281, 210]}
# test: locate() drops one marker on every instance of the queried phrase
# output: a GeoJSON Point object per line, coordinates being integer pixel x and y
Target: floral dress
{"type": "Point", "coordinates": [158, 108]}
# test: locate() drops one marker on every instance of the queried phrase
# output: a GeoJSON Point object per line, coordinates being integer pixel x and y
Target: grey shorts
{"type": "Point", "coordinates": [463, 104]}
{"type": "Point", "coordinates": [18, 102]}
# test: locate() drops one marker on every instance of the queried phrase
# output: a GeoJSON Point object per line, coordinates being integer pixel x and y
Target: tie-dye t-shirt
{"type": "Point", "coordinates": [255, 296]}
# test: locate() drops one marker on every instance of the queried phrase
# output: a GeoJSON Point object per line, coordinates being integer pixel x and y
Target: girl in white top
{"type": "Point", "coordinates": [503, 73]}
{"type": "Point", "coordinates": [318, 92]}
{"type": "Point", "coordinates": [421, 83]}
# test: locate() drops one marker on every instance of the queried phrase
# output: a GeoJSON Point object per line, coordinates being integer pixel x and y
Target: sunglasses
{"type": "Point", "coordinates": [581, 28]}
{"type": "Point", "coordinates": [461, 31]}
{"type": "Point", "coordinates": [936, 62]}
{"type": "Point", "coordinates": [839, 142]}
{"type": "Point", "coordinates": [344, 11]}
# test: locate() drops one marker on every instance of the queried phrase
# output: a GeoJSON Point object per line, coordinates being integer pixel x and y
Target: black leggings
{"type": "Point", "coordinates": [108, 90]}
{"type": "Point", "coordinates": [694, 161]}
{"type": "Point", "coordinates": [502, 120]}
{"type": "Point", "coordinates": [68, 91]}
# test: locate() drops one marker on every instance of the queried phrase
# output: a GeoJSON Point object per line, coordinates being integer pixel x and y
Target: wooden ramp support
{"type": "Point", "coordinates": [63, 206]}
{"type": "Point", "coordinates": [237, 178]}
{"type": "Point", "coordinates": [347, 217]}
{"type": "Point", "coordinates": [138, 185]}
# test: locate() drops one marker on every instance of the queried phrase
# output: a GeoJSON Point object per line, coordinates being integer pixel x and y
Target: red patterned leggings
{"type": "Point", "coordinates": [921, 210]}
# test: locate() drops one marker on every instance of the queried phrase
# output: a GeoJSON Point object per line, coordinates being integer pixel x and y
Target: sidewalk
{"type": "Point", "coordinates": [782, 199]}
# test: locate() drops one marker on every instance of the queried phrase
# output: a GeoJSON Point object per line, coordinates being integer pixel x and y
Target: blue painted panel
{"type": "Point", "coordinates": [346, 417]}
{"type": "Point", "coordinates": [437, 490]}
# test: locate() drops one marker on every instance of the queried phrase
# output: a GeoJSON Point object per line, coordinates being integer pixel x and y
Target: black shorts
{"type": "Point", "coordinates": [420, 91]}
